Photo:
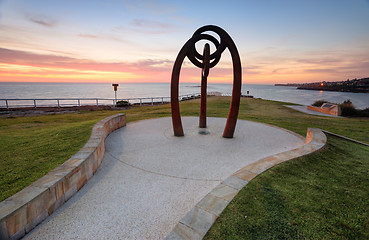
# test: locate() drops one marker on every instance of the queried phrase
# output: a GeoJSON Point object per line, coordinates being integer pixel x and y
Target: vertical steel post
{"type": "Point", "coordinates": [204, 83]}
{"type": "Point", "coordinates": [34, 103]}
{"type": "Point", "coordinates": [6, 102]}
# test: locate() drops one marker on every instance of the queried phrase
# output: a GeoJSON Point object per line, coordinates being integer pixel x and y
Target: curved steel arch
{"type": "Point", "coordinates": [208, 61]}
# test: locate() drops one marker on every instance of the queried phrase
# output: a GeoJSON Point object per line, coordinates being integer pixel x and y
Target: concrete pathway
{"type": "Point", "coordinates": [150, 179]}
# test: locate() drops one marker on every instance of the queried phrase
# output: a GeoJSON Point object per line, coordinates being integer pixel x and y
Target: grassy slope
{"type": "Point", "coordinates": [28, 141]}
{"type": "Point", "coordinates": [320, 196]}
{"type": "Point", "coordinates": [32, 146]}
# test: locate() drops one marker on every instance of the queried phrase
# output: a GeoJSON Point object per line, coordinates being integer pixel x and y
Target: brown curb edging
{"type": "Point", "coordinates": [198, 221]}
{"type": "Point", "coordinates": [345, 138]}
{"type": "Point", "coordinates": [23, 211]}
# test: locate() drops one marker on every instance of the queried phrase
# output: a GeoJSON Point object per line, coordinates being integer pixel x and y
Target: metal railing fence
{"type": "Point", "coordinates": [70, 102]}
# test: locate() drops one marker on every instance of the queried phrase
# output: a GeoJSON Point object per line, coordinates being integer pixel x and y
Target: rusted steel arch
{"type": "Point", "coordinates": [197, 59]}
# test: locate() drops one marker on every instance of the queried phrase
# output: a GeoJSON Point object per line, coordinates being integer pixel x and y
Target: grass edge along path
{"type": "Point", "coordinates": [323, 195]}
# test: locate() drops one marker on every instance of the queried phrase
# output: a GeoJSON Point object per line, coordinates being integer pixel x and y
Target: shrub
{"type": "Point", "coordinates": [123, 103]}
{"type": "Point", "coordinates": [318, 103]}
{"type": "Point", "coordinates": [365, 112]}
{"type": "Point", "coordinates": [348, 109]}
{"type": "Point", "coordinates": [348, 103]}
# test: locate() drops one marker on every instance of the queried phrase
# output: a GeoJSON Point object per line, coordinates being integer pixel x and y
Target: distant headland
{"type": "Point", "coordinates": [353, 85]}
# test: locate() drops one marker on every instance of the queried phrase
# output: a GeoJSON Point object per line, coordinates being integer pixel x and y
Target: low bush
{"type": "Point", "coordinates": [123, 103]}
{"type": "Point", "coordinates": [349, 110]}
{"type": "Point", "coordinates": [318, 103]}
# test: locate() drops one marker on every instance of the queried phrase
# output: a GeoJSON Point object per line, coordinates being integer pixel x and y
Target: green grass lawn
{"type": "Point", "coordinates": [32, 146]}
{"type": "Point", "coordinates": [320, 196]}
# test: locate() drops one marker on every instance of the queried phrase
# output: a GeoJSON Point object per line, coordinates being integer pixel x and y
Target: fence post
{"type": "Point", "coordinates": [34, 103]}
{"type": "Point", "coordinates": [79, 103]}
{"type": "Point", "coordinates": [6, 102]}
{"type": "Point", "coordinates": [58, 103]}
{"type": "Point", "coordinates": [97, 102]}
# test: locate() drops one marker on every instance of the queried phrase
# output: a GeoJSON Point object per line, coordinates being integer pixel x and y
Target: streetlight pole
{"type": "Point", "coordinates": [115, 85]}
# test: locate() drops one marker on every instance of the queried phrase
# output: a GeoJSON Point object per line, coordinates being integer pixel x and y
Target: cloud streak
{"type": "Point", "coordinates": [54, 61]}
{"type": "Point", "coordinates": [91, 36]}
{"type": "Point", "coordinates": [144, 23]}
{"type": "Point", "coordinates": [151, 26]}
{"type": "Point", "coordinates": [21, 65]}
{"type": "Point", "coordinates": [30, 66]}
{"type": "Point", "coordinates": [25, 66]}
{"type": "Point", "coordinates": [42, 20]}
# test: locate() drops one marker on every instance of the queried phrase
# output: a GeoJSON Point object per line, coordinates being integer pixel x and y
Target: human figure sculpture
{"type": "Point", "coordinates": [205, 62]}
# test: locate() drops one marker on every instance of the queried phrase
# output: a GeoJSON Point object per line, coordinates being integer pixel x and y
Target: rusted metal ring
{"type": "Point", "coordinates": [222, 35]}
{"type": "Point", "coordinates": [215, 55]}
{"type": "Point", "coordinates": [196, 58]}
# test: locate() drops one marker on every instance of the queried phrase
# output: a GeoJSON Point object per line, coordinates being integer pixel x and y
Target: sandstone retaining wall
{"type": "Point", "coordinates": [20, 213]}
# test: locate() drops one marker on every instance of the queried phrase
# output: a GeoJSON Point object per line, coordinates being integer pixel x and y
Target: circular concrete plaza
{"type": "Point", "coordinates": [150, 179]}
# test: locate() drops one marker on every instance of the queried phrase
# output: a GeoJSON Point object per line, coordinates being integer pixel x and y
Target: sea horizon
{"type": "Point", "coordinates": [46, 90]}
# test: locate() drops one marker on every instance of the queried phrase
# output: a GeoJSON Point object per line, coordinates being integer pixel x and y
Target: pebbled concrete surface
{"type": "Point", "coordinates": [149, 179]}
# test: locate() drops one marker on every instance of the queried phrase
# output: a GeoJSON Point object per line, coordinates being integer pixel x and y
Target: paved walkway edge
{"type": "Point", "coordinates": [199, 220]}
{"type": "Point", "coordinates": [23, 211]}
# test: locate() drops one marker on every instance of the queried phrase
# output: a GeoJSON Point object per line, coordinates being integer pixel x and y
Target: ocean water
{"type": "Point", "coordinates": [143, 90]}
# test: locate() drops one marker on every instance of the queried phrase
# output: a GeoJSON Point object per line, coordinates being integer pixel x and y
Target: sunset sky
{"type": "Point", "coordinates": [137, 41]}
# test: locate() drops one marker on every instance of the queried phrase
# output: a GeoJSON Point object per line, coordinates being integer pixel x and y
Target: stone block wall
{"type": "Point", "coordinates": [23, 211]}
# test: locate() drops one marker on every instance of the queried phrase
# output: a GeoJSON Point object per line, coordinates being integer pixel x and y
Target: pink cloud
{"type": "Point", "coordinates": [18, 65]}
{"type": "Point", "coordinates": [38, 60]}
{"type": "Point", "coordinates": [52, 68]}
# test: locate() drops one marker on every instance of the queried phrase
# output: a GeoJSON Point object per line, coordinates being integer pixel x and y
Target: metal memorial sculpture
{"type": "Point", "coordinates": [205, 62]}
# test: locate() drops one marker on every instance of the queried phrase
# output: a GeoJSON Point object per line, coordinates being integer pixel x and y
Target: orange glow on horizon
{"type": "Point", "coordinates": [26, 73]}
{"type": "Point", "coordinates": [95, 73]}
